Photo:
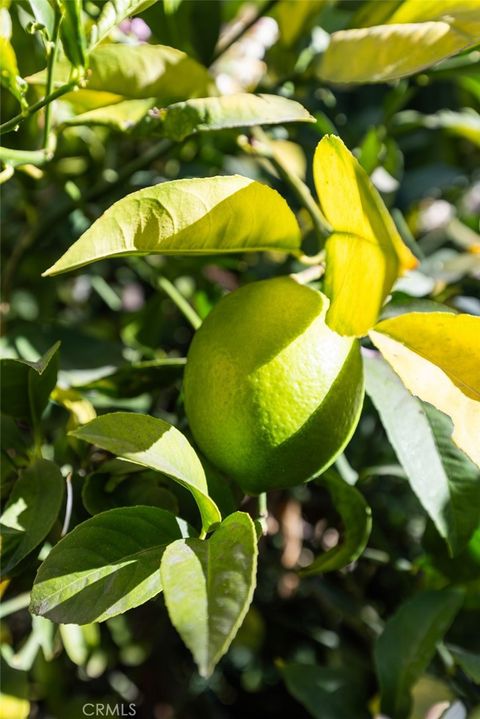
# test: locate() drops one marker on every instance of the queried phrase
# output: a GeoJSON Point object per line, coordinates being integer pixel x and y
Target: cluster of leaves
{"type": "Point", "coordinates": [123, 126]}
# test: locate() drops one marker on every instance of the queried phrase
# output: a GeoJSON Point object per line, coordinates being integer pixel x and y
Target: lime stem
{"type": "Point", "coordinates": [15, 121]}
{"type": "Point", "coordinates": [48, 139]}
{"type": "Point", "coordinates": [261, 147]}
{"type": "Point", "coordinates": [185, 308]}
{"type": "Point", "coordinates": [263, 512]}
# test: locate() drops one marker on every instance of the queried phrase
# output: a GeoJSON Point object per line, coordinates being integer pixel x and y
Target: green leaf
{"type": "Point", "coordinates": [207, 216]}
{"type": "Point", "coordinates": [465, 123]}
{"type": "Point", "coordinates": [389, 52]}
{"type": "Point", "coordinates": [469, 662]}
{"type": "Point", "coordinates": [295, 19]}
{"type": "Point", "coordinates": [73, 33]}
{"type": "Point", "coordinates": [119, 72]}
{"type": "Point", "coordinates": [445, 481]}
{"type": "Point", "coordinates": [217, 113]}
{"type": "Point", "coordinates": [112, 14]}
{"type": "Point", "coordinates": [121, 116]}
{"type": "Point", "coordinates": [120, 484]}
{"type": "Point", "coordinates": [153, 443]}
{"type": "Point", "coordinates": [405, 648]}
{"type": "Point", "coordinates": [461, 15]}
{"type": "Point", "coordinates": [356, 518]}
{"type": "Point", "coordinates": [26, 386]}
{"type": "Point", "coordinates": [208, 587]}
{"type": "Point", "coordinates": [31, 511]}
{"type": "Point", "coordinates": [365, 245]}
{"type": "Point", "coordinates": [144, 71]}
{"type": "Point", "coordinates": [326, 693]}
{"type": "Point", "coordinates": [139, 377]}
{"type": "Point", "coordinates": [105, 566]}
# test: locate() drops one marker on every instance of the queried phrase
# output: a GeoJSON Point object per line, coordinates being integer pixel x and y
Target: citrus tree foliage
{"type": "Point", "coordinates": [157, 155]}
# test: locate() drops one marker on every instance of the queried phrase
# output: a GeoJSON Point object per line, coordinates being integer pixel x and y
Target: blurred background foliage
{"type": "Point", "coordinates": [419, 141]}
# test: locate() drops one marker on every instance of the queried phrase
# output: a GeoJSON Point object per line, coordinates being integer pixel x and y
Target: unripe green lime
{"type": "Point", "coordinates": [272, 394]}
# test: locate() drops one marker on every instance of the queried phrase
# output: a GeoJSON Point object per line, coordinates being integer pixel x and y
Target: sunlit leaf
{"type": "Point", "coordinates": [407, 645]}
{"type": "Point", "coordinates": [443, 478]}
{"type": "Point", "coordinates": [217, 113]}
{"type": "Point", "coordinates": [105, 566]}
{"type": "Point", "coordinates": [365, 253]}
{"type": "Point", "coordinates": [208, 587]}
{"type": "Point", "coordinates": [207, 216]}
{"type": "Point", "coordinates": [356, 519]}
{"type": "Point", "coordinates": [31, 511]}
{"type": "Point", "coordinates": [295, 18]}
{"type": "Point", "coordinates": [437, 356]}
{"type": "Point", "coordinates": [139, 72]}
{"type": "Point", "coordinates": [80, 409]}
{"type": "Point", "coordinates": [9, 73]}
{"type": "Point", "coordinates": [155, 444]}
{"type": "Point", "coordinates": [121, 116]}
{"type": "Point", "coordinates": [389, 52]}
{"type": "Point", "coordinates": [461, 15]}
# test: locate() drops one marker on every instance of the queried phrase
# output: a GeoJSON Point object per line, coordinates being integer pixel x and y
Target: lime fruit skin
{"type": "Point", "coordinates": [272, 394]}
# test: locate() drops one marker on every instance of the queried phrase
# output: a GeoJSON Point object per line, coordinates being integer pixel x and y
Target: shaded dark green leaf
{"type": "Point", "coordinates": [26, 386]}
{"type": "Point", "coordinates": [356, 520]}
{"type": "Point", "coordinates": [405, 648]}
{"type": "Point", "coordinates": [325, 693]}
{"type": "Point", "coordinates": [132, 380]}
{"type": "Point", "coordinates": [31, 511]}
{"type": "Point", "coordinates": [73, 33]}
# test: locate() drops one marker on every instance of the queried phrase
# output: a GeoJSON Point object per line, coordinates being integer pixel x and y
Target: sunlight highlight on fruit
{"type": "Point", "coordinates": [271, 393]}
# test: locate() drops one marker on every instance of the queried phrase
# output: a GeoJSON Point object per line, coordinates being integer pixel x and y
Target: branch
{"type": "Point", "coordinates": [52, 58]}
{"type": "Point", "coordinates": [260, 147]}
{"type": "Point", "coordinates": [185, 308]}
{"type": "Point", "coordinates": [223, 47]}
{"type": "Point", "coordinates": [15, 121]}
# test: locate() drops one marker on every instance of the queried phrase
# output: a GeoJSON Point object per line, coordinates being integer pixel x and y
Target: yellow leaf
{"type": "Point", "coordinates": [437, 356]}
{"type": "Point", "coordinates": [81, 410]}
{"type": "Point", "coordinates": [389, 52]}
{"type": "Point", "coordinates": [463, 16]}
{"type": "Point", "coordinates": [294, 17]}
{"type": "Point", "coordinates": [365, 254]}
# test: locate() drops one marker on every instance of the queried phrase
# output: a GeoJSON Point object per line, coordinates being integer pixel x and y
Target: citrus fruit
{"type": "Point", "coordinates": [272, 394]}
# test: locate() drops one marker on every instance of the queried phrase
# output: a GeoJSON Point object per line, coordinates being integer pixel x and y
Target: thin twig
{"type": "Point", "coordinates": [68, 505]}
{"type": "Point", "coordinates": [260, 147]}
{"type": "Point", "coordinates": [32, 109]}
{"type": "Point", "coordinates": [62, 211]}
{"type": "Point", "coordinates": [223, 47]}
{"type": "Point", "coordinates": [263, 512]}
{"type": "Point", "coordinates": [21, 601]}
{"type": "Point", "coordinates": [52, 58]}
{"type": "Point", "coordinates": [185, 308]}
